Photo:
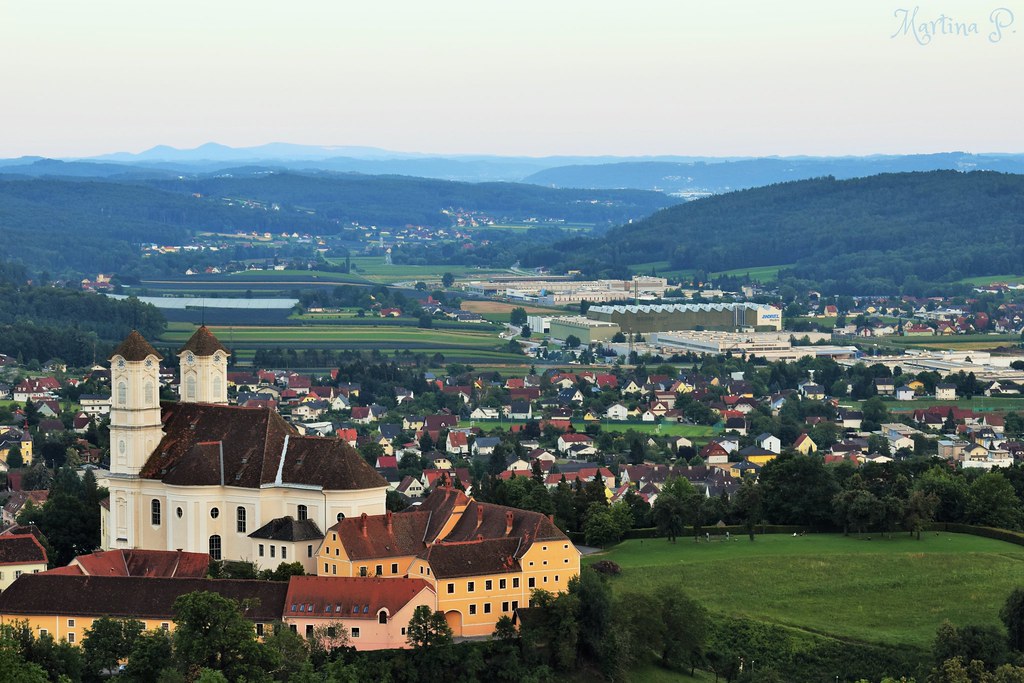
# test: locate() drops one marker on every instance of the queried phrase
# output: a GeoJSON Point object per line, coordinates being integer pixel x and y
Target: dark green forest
{"type": "Point", "coordinates": [73, 227]}
{"type": "Point", "coordinates": [880, 234]}
{"type": "Point", "coordinates": [45, 323]}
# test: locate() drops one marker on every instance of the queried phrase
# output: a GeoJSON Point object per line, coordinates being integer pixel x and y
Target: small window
{"type": "Point", "coordinates": [302, 513]}
{"type": "Point", "coordinates": [240, 516]}
{"type": "Point", "coordinates": [42, 632]}
{"type": "Point", "coordinates": [379, 570]}
{"type": "Point", "coordinates": [472, 609]}
{"type": "Point", "coordinates": [331, 632]}
{"type": "Point", "coordinates": [165, 626]}
{"type": "Point", "coordinates": [394, 567]}
{"type": "Point", "coordinates": [515, 582]}
{"type": "Point", "coordinates": [309, 551]}
{"type": "Point", "coordinates": [309, 630]}
{"type": "Point", "coordinates": [504, 606]}
{"type": "Point", "coordinates": [341, 516]}
{"type": "Point", "coordinates": [470, 586]}
{"type": "Point", "coordinates": [327, 568]}
{"type": "Point", "coordinates": [215, 547]}
{"type": "Point", "coordinates": [334, 569]}
{"type": "Point", "coordinates": [355, 631]}
{"type": "Point", "coordinates": [214, 513]}
{"type": "Point", "coordinates": [362, 571]}
{"type": "Point", "coordinates": [71, 638]}
{"type": "Point", "coordinates": [532, 582]}
{"type": "Point", "coordinates": [273, 550]}
{"type": "Point", "coordinates": [556, 578]}
{"type": "Point", "coordinates": [294, 607]}
{"type": "Point", "coordinates": [451, 588]}
{"type": "Point", "coordinates": [515, 605]}
{"type": "Point", "coordinates": [71, 623]}
{"type": "Point", "coordinates": [284, 552]}
{"type": "Point", "coordinates": [403, 630]}
{"type": "Point", "coordinates": [259, 630]}
{"type": "Point", "coordinates": [179, 512]}
{"type": "Point", "coordinates": [154, 512]}
{"type": "Point", "coordinates": [261, 550]}
{"type": "Point", "coordinates": [502, 584]}
{"type": "Point", "coordinates": [487, 608]}
{"type": "Point", "coordinates": [488, 585]}
{"type": "Point", "coordinates": [382, 617]}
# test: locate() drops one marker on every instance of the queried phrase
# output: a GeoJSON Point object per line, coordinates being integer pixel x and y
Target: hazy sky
{"type": "Point", "coordinates": [530, 77]}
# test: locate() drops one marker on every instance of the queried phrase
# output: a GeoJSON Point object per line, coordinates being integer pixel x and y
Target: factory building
{"type": "Point", "coordinates": [588, 331]}
{"type": "Point", "coordinates": [670, 317]}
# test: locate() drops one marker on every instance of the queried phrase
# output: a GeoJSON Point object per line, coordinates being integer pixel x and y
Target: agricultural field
{"type": "Point", "coordinates": [462, 345]}
{"type": "Point", "coordinates": [375, 269]}
{"type": "Point", "coordinates": [882, 590]}
{"type": "Point", "coordinates": [661, 269]}
{"type": "Point", "coordinates": [992, 279]}
{"type": "Point", "coordinates": [958, 342]}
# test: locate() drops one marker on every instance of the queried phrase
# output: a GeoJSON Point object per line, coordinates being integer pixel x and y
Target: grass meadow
{"type": "Point", "coordinates": [884, 590]}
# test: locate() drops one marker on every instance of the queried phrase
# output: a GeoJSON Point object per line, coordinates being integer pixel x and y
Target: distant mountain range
{"type": "Point", "coordinates": [683, 176]}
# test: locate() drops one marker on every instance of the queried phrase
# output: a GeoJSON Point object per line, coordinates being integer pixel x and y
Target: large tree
{"type": "Point", "coordinates": [797, 489]}
{"type": "Point", "coordinates": [211, 633]}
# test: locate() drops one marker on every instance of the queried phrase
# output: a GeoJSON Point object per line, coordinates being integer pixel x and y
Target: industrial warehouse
{"type": "Point", "coordinates": [667, 317]}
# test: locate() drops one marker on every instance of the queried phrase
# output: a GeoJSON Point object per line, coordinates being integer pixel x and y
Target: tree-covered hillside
{"type": "Point", "coordinates": [865, 235]}
{"type": "Point", "coordinates": [72, 227]}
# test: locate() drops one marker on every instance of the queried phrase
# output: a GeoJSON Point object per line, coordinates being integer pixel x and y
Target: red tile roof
{"type": "Point", "coordinates": [143, 563]}
{"type": "Point", "coordinates": [350, 597]}
{"type": "Point", "coordinates": [387, 535]}
{"type": "Point", "coordinates": [21, 549]}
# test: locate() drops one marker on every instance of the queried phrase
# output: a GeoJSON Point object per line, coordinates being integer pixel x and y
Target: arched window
{"type": "Point", "coordinates": [154, 512]}
{"type": "Point", "coordinates": [149, 393]}
{"type": "Point", "coordinates": [240, 516]}
{"type": "Point", "coordinates": [190, 387]}
{"type": "Point", "coordinates": [122, 393]}
{"type": "Point", "coordinates": [382, 617]}
{"type": "Point", "coordinates": [302, 513]}
{"type": "Point", "coordinates": [215, 547]}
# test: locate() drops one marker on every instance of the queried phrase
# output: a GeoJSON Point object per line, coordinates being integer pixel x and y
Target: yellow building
{"type": "Point", "coordinates": [804, 445]}
{"type": "Point", "coordinates": [10, 439]}
{"type": "Point", "coordinates": [482, 559]}
{"type": "Point", "coordinates": [64, 606]}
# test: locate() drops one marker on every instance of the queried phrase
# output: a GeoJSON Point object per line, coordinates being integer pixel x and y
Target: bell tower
{"type": "Point", "coordinates": [135, 428]}
{"type": "Point", "coordinates": [204, 369]}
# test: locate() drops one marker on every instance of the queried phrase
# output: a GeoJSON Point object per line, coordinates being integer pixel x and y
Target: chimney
{"type": "Point", "coordinates": [479, 515]}
{"type": "Point", "coordinates": [508, 522]}
{"type": "Point", "coordinates": [387, 517]}
{"type": "Point", "coordinates": [551, 518]}
{"type": "Point", "coordinates": [362, 524]}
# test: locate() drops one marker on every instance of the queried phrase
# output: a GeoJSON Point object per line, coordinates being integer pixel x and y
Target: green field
{"type": "Point", "coordinates": [991, 279]}
{"type": "Point", "coordinates": [462, 345]}
{"type": "Point", "coordinates": [982, 403]}
{"type": "Point", "coordinates": [661, 268]}
{"type": "Point", "coordinates": [884, 590]}
{"type": "Point", "coordinates": [958, 342]}
{"type": "Point", "coordinates": [756, 273]}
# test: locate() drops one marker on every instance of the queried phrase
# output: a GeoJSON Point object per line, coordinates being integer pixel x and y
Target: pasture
{"type": "Point", "coordinates": [884, 590]}
{"type": "Point", "coordinates": [755, 273]}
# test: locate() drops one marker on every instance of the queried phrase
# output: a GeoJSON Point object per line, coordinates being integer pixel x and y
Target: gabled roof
{"type": "Point", "coordinates": [143, 563]}
{"type": "Point", "coordinates": [350, 597]}
{"type": "Point", "coordinates": [22, 549]}
{"type": "Point", "coordinates": [257, 448]}
{"type": "Point", "coordinates": [132, 596]}
{"type": "Point", "coordinates": [203, 343]}
{"type": "Point", "coordinates": [493, 556]}
{"type": "Point", "coordinates": [387, 535]}
{"type": "Point", "coordinates": [288, 529]}
{"type": "Point", "coordinates": [135, 348]}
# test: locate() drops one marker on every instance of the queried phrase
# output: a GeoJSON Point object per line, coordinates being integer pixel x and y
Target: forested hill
{"type": "Point", "coordinates": [69, 227]}
{"type": "Point", "coordinates": [865, 235]}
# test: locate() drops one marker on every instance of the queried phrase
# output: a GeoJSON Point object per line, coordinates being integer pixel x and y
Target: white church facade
{"type": "Point", "coordinates": [202, 476]}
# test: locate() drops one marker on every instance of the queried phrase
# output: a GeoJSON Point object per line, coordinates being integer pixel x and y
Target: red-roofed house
{"type": "Point", "coordinates": [20, 554]}
{"type": "Point", "coordinates": [457, 442]}
{"type": "Point", "coordinates": [374, 611]}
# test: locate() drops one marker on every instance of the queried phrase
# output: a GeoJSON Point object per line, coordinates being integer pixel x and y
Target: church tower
{"type": "Point", "coordinates": [135, 427]}
{"type": "Point", "coordinates": [204, 369]}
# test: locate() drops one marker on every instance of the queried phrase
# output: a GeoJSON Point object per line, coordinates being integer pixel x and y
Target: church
{"type": "Point", "coordinates": [202, 476]}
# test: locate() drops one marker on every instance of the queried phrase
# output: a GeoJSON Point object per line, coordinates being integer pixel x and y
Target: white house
{"type": "Point", "coordinates": [769, 442]}
{"type": "Point", "coordinates": [945, 392]}
{"type": "Point", "coordinates": [617, 411]}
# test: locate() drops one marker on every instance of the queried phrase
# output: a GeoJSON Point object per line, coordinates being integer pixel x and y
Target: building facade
{"type": "Point", "coordinates": [202, 476]}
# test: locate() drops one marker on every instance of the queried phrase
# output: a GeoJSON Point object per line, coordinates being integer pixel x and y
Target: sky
{"type": "Point", "coordinates": [530, 78]}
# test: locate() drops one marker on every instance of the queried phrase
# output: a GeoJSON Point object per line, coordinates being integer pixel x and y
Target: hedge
{"type": "Point", "coordinates": [733, 530]}
{"type": "Point", "coordinates": [984, 531]}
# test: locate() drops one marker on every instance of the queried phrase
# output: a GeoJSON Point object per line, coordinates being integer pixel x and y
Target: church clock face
{"type": "Point", "coordinates": [216, 358]}
{"type": "Point", "coordinates": [120, 363]}
{"type": "Point", "coordinates": [189, 358]}
{"type": "Point", "coordinates": [149, 362]}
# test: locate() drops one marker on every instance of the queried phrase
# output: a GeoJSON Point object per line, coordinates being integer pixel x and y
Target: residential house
{"type": "Point", "coordinates": [617, 412]}
{"type": "Point", "coordinates": [457, 443]}
{"type": "Point", "coordinates": [20, 554]}
{"type": "Point", "coordinates": [904, 393]}
{"type": "Point", "coordinates": [804, 444]}
{"type": "Point", "coordinates": [565, 441]}
{"type": "Point", "coordinates": [769, 442]}
{"type": "Point", "coordinates": [945, 392]}
{"type": "Point", "coordinates": [375, 612]}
